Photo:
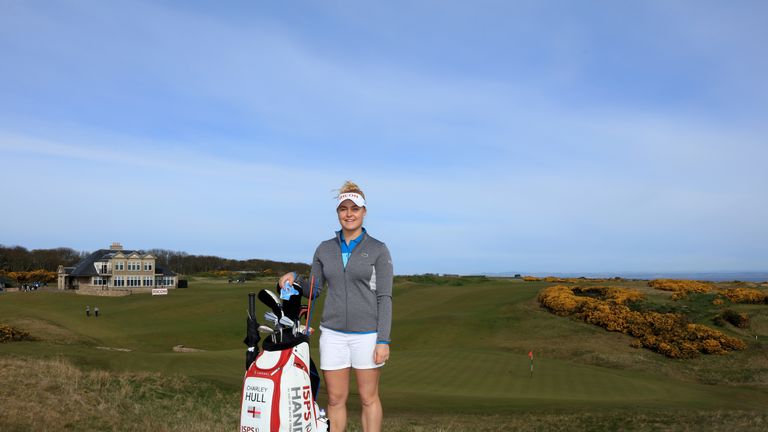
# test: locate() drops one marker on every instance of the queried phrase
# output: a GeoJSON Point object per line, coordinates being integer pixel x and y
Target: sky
{"type": "Point", "coordinates": [488, 136]}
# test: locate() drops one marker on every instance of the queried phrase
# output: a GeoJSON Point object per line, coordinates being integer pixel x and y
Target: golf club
{"type": "Point", "coordinates": [271, 300]}
{"type": "Point", "coordinates": [271, 317]}
{"type": "Point", "coordinates": [267, 330]}
{"type": "Point", "coordinates": [288, 323]}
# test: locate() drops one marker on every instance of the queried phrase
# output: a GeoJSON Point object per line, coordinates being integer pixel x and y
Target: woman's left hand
{"type": "Point", "coordinates": [381, 353]}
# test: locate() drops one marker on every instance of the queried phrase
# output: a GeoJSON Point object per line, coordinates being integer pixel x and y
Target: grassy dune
{"type": "Point", "coordinates": [57, 395]}
{"type": "Point", "coordinates": [459, 362]}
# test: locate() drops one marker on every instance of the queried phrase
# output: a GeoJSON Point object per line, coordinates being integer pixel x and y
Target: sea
{"type": "Point", "coordinates": [702, 276]}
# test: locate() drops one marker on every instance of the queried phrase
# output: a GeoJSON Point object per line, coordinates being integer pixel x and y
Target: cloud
{"type": "Point", "coordinates": [585, 147]}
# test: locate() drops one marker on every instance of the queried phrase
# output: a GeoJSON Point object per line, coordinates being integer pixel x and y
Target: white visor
{"type": "Point", "coordinates": [354, 197]}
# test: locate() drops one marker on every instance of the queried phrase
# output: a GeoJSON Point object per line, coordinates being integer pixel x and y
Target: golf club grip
{"type": "Point", "coordinates": [252, 304]}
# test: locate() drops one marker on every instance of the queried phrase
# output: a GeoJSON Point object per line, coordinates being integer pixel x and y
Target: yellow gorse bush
{"type": "Point", "coordinates": [745, 295]}
{"type": "Point", "coordinates": [667, 333]}
{"type": "Point", "coordinates": [555, 279]}
{"type": "Point", "coordinates": [680, 288]}
{"type": "Point", "coordinates": [680, 285]}
{"type": "Point", "coordinates": [39, 275]}
{"type": "Point", "coordinates": [9, 334]}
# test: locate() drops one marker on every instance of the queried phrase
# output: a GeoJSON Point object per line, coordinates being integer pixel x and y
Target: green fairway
{"type": "Point", "coordinates": [457, 348]}
{"type": "Point", "coordinates": [210, 317]}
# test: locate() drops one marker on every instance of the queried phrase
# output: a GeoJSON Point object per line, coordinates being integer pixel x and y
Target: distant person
{"type": "Point", "coordinates": [357, 315]}
{"type": "Point", "coordinates": [88, 311]}
{"type": "Point", "coordinates": [96, 311]}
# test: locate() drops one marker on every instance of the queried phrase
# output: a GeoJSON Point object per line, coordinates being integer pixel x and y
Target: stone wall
{"type": "Point", "coordinates": [98, 291]}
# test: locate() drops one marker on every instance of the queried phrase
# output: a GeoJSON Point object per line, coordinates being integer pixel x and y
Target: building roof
{"type": "Point", "coordinates": [164, 272]}
{"type": "Point", "coordinates": [86, 267]}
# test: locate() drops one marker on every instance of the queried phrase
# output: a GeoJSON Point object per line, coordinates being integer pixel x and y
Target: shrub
{"type": "Point", "coordinates": [680, 285]}
{"type": "Point", "coordinates": [560, 300]}
{"type": "Point", "coordinates": [10, 334]}
{"type": "Point", "coordinates": [667, 333]}
{"type": "Point", "coordinates": [680, 288]}
{"type": "Point", "coordinates": [745, 295]}
{"type": "Point", "coordinates": [711, 346]}
{"type": "Point", "coordinates": [38, 275]}
{"type": "Point", "coordinates": [554, 279]}
{"type": "Point", "coordinates": [740, 320]}
{"type": "Point", "coordinates": [611, 294]}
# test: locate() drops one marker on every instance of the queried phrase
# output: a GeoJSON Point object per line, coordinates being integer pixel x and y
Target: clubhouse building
{"type": "Point", "coordinates": [116, 269]}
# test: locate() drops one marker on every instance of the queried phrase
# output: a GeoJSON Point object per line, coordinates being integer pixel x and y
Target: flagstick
{"type": "Point", "coordinates": [530, 354]}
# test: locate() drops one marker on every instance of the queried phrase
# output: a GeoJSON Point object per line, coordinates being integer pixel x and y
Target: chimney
{"type": "Point", "coordinates": [116, 246]}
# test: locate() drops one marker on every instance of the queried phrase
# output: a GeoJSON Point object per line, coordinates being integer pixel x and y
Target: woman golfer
{"type": "Point", "coordinates": [357, 316]}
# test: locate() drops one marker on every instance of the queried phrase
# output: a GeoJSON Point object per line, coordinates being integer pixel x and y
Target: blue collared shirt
{"type": "Point", "coordinates": [346, 249]}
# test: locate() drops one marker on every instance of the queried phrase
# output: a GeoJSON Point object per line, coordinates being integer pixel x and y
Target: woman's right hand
{"type": "Point", "coordinates": [289, 277]}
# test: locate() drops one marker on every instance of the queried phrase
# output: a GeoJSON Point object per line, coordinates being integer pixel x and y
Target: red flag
{"type": "Point", "coordinates": [530, 354]}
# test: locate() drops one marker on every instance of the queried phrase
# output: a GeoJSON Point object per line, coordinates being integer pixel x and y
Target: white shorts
{"type": "Point", "coordinates": [342, 350]}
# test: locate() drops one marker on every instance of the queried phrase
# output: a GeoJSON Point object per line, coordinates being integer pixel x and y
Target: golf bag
{"type": "Point", "coordinates": [281, 385]}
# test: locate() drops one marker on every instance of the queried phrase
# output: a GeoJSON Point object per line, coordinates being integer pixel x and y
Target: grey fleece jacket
{"type": "Point", "coordinates": [359, 296]}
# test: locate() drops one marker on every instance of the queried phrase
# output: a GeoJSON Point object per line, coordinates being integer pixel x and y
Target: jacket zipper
{"type": "Point", "coordinates": [344, 270]}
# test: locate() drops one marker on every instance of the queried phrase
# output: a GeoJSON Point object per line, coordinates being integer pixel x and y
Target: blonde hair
{"type": "Point", "coordinates": [349, 187]}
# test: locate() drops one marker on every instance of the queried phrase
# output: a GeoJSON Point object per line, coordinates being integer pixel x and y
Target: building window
{"type": "Point", "coordinates": [120, 265]}
{"type": "Point", "coordinates": [164, 281]}
{"type": "Point", "coordinates": [147, 266]}
{"type": "Point", "coordinates": [99, 281]}
{"type": "Point", "coordinates": [119, 281]}
{"type": "Point", "coordinates": [148, 281]}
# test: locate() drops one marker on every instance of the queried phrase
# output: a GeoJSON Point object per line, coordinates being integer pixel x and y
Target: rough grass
{"type": "Point", "coordinates": [56, 395]}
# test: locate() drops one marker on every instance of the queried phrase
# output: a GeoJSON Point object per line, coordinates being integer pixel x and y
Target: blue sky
{"type": "Point", "coordinates": [489, 136]}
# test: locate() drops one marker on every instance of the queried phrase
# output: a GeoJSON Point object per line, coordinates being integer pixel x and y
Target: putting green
{"type": "Point", "coordinates": [479, 380]}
